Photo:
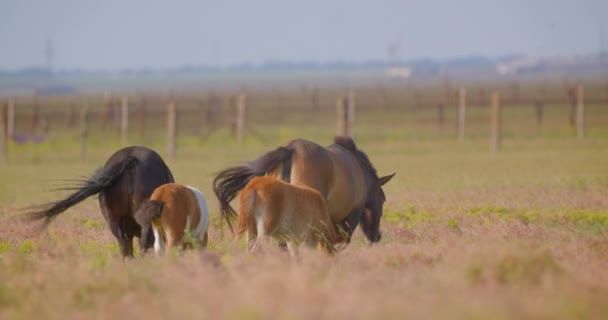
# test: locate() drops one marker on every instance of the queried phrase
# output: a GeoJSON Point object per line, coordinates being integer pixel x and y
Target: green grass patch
{"type": "Point", "coordinates": [5, 246]}
{"type": "Point", "coordinates": [409, 216]}
{"type": "Point", "coordinates": [27, 247]}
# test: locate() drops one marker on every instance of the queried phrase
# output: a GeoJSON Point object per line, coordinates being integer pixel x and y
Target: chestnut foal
{"type": "Point", "coordinates": [172, 211]}
{"type": "Point", "coordinates": [292, 213]}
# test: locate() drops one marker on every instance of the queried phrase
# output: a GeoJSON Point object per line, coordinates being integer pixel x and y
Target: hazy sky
{"type": "Point", "coordinates": [134, 34]}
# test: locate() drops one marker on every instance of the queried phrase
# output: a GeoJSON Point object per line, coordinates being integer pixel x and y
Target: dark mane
{"type": "Point", "coordinates": [349, 144]}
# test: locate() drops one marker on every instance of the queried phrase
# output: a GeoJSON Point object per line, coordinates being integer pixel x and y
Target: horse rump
{"type": "Point", "coordinates": [245, 215]}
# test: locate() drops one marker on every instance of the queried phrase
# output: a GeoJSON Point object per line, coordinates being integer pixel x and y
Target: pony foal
{"type": "Point", "coordinates": [172, 211]}
{"type": "Point", "coordinates": [293, 213]}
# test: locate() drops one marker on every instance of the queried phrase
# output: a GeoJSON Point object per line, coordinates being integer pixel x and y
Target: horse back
{"type": "Point", "coordinates": [138, 183]}
{"type": "Point", "coordinates": [334, 172]}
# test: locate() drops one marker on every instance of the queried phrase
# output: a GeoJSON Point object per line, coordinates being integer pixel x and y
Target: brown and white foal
{"type": "Point", "coordinates": [173, 210]}
{"type": "Point", "coordinates": [272, 208]}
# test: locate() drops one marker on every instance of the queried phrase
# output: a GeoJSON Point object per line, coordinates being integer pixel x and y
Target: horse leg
{"type": "Point", "coordinates": [260, 242]}
{"type": "Point", "coordinates": [204, 240]}
{"type": "Point", "coordinates": [124, 243]}
{"type": "Point", "coordinates": [159, 244]}
{"type": "Point", "coordinates": [114, 221]}
{"type": "Point", "coordinates": [292, 247]}
{"type": "Point", "coordinates": [251, 235]}
{"type": "Point", "coordinates": [346, 228]}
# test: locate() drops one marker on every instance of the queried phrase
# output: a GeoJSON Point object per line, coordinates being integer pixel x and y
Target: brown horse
{"type": "Point", "coordinates": [123, 183]}
{"type": "Point", "coordinates": [342, 174]}
{"type": "Point", "coordinates": [172, 211]}
{"type": "Point", "coordinates": [272, 208]}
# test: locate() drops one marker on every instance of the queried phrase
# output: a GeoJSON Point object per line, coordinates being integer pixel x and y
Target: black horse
{"type": "Point", "coordinates": [127, 179]}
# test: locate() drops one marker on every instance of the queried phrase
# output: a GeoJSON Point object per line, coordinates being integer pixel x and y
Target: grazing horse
{"type": "Point", "coordinates": [172, 211]}
{"type": "Point", "coordinates": [342, 174]}
{"type": "Point", "coordinates": [123, 183]}
{"type": "Point", "coordinates": [272, 208]}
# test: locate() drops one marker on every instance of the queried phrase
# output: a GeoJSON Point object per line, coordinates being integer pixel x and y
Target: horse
{"type": "Point", "coordinates": [342, 174]}
{"type": "Point", "coordinates": [173, 211]}
{"type": "Point", "coordinates": [292, 213]}
{"type": "Point", "coordinates": [123, 183]}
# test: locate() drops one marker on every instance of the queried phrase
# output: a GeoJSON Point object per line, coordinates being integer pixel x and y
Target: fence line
{"type": "Point", "coordinates": [496, 122]}
{"type": "Point", "coordinates": [10, 118]}
{"type": "Point", "coordinates": [240, 117]}
{"type": "Point", "coordinates": [372, 99]}
{"type": "Point", "coordinates": [141, 117]}
{"type": "Point", "coordinates": [124, 121]}
{"type": "Point", "coordinates": [580, 112]}
{"type": "Point", "coordinates": [462, 110]}
{"type": "Point", "coordinates": [3, 135]}
{"type": "Point", "coordinates": [83, 129]}
{"type": "Point", "coordinates": [171, 129]}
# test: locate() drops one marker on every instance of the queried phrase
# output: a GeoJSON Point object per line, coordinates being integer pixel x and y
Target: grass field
{"type": "Point", "coordinates": [467, 233]}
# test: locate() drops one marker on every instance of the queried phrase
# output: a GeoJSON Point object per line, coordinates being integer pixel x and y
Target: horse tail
{"type": "Point", "coordinates": [246, 206]}
{"type": "Point", "coordinates": [102, 178]}
{"type": "Point", "coordinates": [230, 181]}
{"type": "Point", "coordinates": [148, 211]}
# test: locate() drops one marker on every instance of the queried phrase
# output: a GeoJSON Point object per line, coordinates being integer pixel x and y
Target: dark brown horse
{"type": "Point", "coordinates": [127, 179]}
{"type": "Point", "coordinates": [342, 174]}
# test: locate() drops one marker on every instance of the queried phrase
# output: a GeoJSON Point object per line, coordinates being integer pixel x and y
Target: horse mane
{"type": "Point", "coordinates": [349, 144]}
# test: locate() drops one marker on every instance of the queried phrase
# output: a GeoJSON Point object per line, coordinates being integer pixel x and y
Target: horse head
{"type": "Point", "coordinates": [370, 220]}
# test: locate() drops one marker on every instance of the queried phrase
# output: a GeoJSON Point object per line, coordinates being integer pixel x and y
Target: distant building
{"type": "Point", "coordinates": [399, 72]}
{"type": "Point", "coordinates": [518, 66]}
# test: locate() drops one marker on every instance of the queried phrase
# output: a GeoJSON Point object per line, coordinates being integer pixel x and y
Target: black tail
{"type": "Point", "coordinates": [229, 182]}
{"type": "Point", "coordinates": [102, 179]}
{"type": "Point", "coordinates": [148, 210]}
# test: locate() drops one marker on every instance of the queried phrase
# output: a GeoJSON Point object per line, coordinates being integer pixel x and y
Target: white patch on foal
{"type": "Point", "coordinates": [159, 244]}
{"type": "Point", "coordinates": [203, 221]}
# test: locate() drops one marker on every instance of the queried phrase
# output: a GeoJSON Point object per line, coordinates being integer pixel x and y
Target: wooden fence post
{"type": "Point", "coordinates": [3, 135]}
{"type": "Point", "coordinates": [417, 99]}
{"type": "Point", "coordinates": [171, 129]}
{"type": "Point", "coordinates": [240, 117]}
{"type": "Point", "coordinates": [539, 104]}
{"type": "Point", "coordinates": [107, 111]}
{"type": "Point", "coordinates": [462, 109]}
{"type": "Point", "coordinates": [10, 119]}
{"type": "Point", "coordinates": [70, 115]}
{"type": "Point", "coordinates": [124, 121]}
{"type": "Point", "coordinates": [203, 124]}
{"type": "Point", "coordinates": [340, 116]}
{"type": "Point", "coordinates": [580, 112]}
{"type": "Point", "coordinates": [83, 129]}
{"type": "Point", "coordinates": [141, 117]}
{"type": "Point", "coordinates": [350, 114]}
{"type": "Point", "coordinates": [279, 106]}
{"type": "Point", "coordinates": [381, 97]}
{"type": "Point", "coordinates": [572, 103]}
{"type": "Point", "coordinates": [515, 92]}
{"type": "Point", "coordinates": [496, 122]}
{"type": "Point", "coordinates": [35, 114]}
{"type": "Point", "coordinates": [314, 99]}
{"type": "Point", "coordinates": [440, 115]}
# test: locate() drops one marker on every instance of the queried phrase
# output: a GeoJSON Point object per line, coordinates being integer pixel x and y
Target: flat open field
{"type": "Point", "coordinates": [466, 233]}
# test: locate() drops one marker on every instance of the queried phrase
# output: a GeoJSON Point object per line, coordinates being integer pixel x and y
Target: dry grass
{"type": "Point", "coordinates": [467, 234]}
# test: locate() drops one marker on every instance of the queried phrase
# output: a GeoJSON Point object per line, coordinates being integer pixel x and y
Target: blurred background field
{"type": "Point", "coordinates": [471, 229]}
{"type": "Point", "coordinates": [517, 233]}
